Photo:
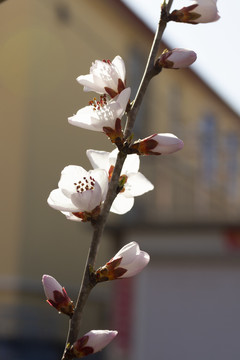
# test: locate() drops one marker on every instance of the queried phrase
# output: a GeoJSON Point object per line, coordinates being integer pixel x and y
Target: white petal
{"type": "Point", "coordinates": [90, 84]}
{"type": "Point", "coordinates": [70, 175]}
{"type": "Point", "coordinates": [122, 204]}
{"type": "Point", "coordinates": [99, 159]}
{"type": "Point", "coordinates": [119, 64]}
{"type": "Point", "coordinates": [70, 216]}
{"type": "Point", "coordinates": [137, 184]}
{"type": "Point", "coordinates": [86, 118]}
{"type": "Point", "coordinates": [101, 178]}
{"type": "Point", "coordinates": [131, 164]}
{"type": "Point", "coordinates": [88, 199]}
{"type": "Point", "coordinates": [58, 201]}
{"type": "Point", "coordinates": [123, 98]}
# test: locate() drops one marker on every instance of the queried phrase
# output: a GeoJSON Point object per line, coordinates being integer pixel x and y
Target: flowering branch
{"type": "Point", "coordinates": [88, 281]}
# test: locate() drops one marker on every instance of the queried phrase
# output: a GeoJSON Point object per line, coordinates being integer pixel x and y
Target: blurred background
{"type": "Point", "coordinates": [186, 304]}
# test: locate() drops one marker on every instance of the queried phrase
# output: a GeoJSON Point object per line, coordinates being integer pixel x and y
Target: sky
{"type": "Point", "coordinates": [217, 44]}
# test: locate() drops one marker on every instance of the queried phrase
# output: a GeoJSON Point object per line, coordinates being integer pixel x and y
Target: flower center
{"type": "Point", "coordinates": [85, 184]}
{"type": "Point", "coordinates": [98, 104]}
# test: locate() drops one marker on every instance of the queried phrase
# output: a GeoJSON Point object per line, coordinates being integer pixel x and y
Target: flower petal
{"type": "Point", "coordinates": [127, 253]}
{"type": "Point", "coordinates": [137, 184]}
{"type": "Point", "coordinates": [120, 67]}
{"type": "Point", "coordinates": [88, 199]}
{"type": "Point", "coordinates": [101, 177]}
{"type": "Point", "coordinates": [86, 118]}
{"type": "Point", "coordinates": [141, 260]}
{"type": "Point", "coordinates": [58, 201]}
{"type": "Point", "coordinates": [50, 285]}
{"type": "Point", "coordinates": [70, 175]}
{"type": "Point", "coordinates": [98, 159]}
{"type": "Point", "coordinates": [121, 205]}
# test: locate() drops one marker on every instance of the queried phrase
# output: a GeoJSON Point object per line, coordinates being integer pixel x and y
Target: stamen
{"type": "Point", "coordinates": [98, 104]}
{"type": "Point", "coordinates": [107, 61]}
{"type": "Point", "coordinates": [85, 184]}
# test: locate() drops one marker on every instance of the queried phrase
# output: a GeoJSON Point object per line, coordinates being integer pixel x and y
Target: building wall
{"type": "Point", "coordinates": [44, 46]}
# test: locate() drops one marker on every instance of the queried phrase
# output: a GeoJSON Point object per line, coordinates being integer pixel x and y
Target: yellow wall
{"type": "Point", "coordinates": [41, 56]}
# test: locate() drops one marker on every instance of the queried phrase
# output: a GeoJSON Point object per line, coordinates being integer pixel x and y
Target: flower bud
{"type": "Point", "coordinates": [202, 11]}
{"type": "Point", "coordinates": [129, 261]}
{"type": "Point", "coordinates": [92, 342]}
{"type": "Point", "coordinates": [176, 58]}
{"type": "Point", "coordinates": [157, 144]}
{"type": "Point", "coordinates": [57, 296]}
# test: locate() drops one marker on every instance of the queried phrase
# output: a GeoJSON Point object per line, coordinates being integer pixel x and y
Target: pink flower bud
{"type": "Point", "coordinates": [92, 342]}
{"type": "Point", "coordinates": [202, 11]}
{"type": "Point", "coordinates": [177, 58]}
{"type": "Point", "coordinates": [129, 261]}
{"type": "Point", "coordinates": [57, 296]}
{"type": "Point", "coordinates": [158, 144]}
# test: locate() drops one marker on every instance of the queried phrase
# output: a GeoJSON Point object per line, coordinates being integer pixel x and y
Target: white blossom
{"type": "Point", "coordinates": [135, 183]}
{"type": "Point", "coordinates": [79, 191]}
{"type": "Point", "coordinates": [103, 113]}
{"type": "Point", "coordinates": [105, 75]}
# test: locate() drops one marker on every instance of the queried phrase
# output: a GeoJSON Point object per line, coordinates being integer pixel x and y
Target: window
{"type": "Point", "coordinates": [208, 149]}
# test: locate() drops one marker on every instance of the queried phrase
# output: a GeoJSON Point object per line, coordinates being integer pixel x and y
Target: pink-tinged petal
{"type": "Point", "coordinates": [57, 296]}
{"type": "Point", "coordinates": [167, 143]}
{"type": "Point", "coordinates": [207, 9]}
{"type": "Point", "coordinates": [201, 11]}
{"type": "Point", "coordinates": [121, 205]}
{"type": "Point", "coordinates": [58, 201]}
{"type": "Point", "coordinates": [92, 342]}
{"type": "Point", "coordinates": [50, 285]}
{"type": "Point", "coordinates": [98, 159]}
{"type": "Point", "coordinates": [98, 339]}
{"type": "Point", "coordinates": [177, 58]}
{"type": "Point", "coordinates": [127, 262]}
{"type": "Point", "coordinates": [141, 260]}
{"type": "Point", "coordinates": [128, 253]}
{"type": "Point", "coordinates": [137, 184]}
